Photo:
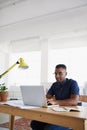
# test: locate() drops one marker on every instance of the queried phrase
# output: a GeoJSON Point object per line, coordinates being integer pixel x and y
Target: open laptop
{"type": "Point", "coordinates": [33, 95]}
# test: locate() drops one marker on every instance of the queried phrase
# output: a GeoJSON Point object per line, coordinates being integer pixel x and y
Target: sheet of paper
{"type": "Point", "coordinates": [66, 109]}
{"type": "Point", "coordinates": [19, 103]}
{"type": "Point", "coordinates": [59, 109]}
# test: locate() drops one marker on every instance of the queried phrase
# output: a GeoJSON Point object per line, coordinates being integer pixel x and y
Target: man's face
{"type": "Point", "coordinates": [60, 74]}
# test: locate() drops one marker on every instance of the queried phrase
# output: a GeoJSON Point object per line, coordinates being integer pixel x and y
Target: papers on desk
{"type": "Point", "coordinates": [66, 109]}
{"type": "Point", "coordinates": [19, 103]}
{"type": "Point", "coordinates": [57, 108]}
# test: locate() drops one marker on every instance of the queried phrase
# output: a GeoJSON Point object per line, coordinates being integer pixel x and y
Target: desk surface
{"type": "Point", "coordinates": [75, 120]}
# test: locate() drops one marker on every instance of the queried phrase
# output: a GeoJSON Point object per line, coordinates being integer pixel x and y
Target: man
{"type": "Point", "coordinates": [63, 92]}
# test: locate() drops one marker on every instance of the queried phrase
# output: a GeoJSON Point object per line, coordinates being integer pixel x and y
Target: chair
{"type": "Point", "coordinates": [83, 98]}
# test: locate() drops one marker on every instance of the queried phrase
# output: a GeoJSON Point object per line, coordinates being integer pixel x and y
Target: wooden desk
{"type": "Point", "coordinates": [75, 120]}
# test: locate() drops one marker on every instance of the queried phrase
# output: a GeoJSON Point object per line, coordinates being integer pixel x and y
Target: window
{"type": "Point", "coordinates": [29, 76]}
{"type": "Point", "coordinates": [75, 60]}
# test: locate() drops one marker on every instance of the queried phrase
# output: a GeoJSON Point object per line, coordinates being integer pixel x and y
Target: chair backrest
{"type": "Point", "coordinates": [83, 98]}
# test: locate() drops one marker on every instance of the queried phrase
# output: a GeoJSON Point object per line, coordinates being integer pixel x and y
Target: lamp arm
{"type": "Point", "coordinates": [9, 69]}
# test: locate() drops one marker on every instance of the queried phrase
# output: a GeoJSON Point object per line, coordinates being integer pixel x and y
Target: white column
{"type": "Point", "coordinates": [44, 61]}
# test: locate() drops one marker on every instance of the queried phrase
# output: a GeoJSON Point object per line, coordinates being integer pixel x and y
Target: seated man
{"type": "Point", "coordinates": [66, 93]}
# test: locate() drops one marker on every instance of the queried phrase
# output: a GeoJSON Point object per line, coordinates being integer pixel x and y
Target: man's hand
{"type": "Point", "coordinates": [51, 101]}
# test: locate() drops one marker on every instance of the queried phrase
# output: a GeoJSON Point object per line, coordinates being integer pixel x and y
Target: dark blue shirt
{"type": "Point", "coordinates": [64, 90]}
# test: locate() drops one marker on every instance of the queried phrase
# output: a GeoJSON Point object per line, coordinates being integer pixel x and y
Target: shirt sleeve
{"type": "Point", "coordinates": [75, 88]}
{"type": "Point", "coordinates": [50, 91]}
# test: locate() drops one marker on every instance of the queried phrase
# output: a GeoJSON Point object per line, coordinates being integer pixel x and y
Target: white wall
{"type": "Point", "coordinates": [3, 65]}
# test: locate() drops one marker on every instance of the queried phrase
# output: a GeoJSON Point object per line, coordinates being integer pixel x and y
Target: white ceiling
{"type": "Point", "coordinates": [61, 4]}
{"type": "Point", "coordinates": [35, 8]}
{"type": "Point", "coordinates": [5, 3]}
{"type": "Point", "coordinates": [65, 14]}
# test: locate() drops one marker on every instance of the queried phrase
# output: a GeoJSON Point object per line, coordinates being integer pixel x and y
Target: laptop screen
{"type": "Point", "coordinates": [33, 95]}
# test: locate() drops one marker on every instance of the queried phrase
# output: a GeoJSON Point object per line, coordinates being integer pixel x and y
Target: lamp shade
{"type": "Point", "coordinates": [22, 64]}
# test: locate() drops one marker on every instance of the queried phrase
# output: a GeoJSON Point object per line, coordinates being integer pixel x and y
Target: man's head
{"type": "Point", "coordinates": [60, 72]}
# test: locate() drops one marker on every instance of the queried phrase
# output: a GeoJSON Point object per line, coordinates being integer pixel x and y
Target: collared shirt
{"type": "Point", "coordinates": [64, 90]}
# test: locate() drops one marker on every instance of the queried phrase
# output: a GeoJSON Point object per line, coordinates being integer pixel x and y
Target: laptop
{"type": "Point", "coordinates": [33, 95]}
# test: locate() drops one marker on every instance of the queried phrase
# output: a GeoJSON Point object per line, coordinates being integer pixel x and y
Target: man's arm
{"type": "Point", "coordinates": [69, 102]}
{"type": "Point", "coordinates": [73, 100]}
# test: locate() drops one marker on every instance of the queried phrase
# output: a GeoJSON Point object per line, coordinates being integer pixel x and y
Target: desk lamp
{"type": "Point", "coordinates": [21, 63]}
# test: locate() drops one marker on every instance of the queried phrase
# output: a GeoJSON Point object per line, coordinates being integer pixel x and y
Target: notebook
{"type": "Point", "coordinates": [33, 95]}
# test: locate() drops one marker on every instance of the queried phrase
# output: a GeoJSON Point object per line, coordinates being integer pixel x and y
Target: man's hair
{"type": "Point", "coordinates": [61, 66]}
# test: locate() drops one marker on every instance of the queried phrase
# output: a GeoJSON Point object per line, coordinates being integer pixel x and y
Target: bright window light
{"type": "Point", "coordinates": [74, 59]}
{"type": "Point", "coordinates": [29, 76]}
